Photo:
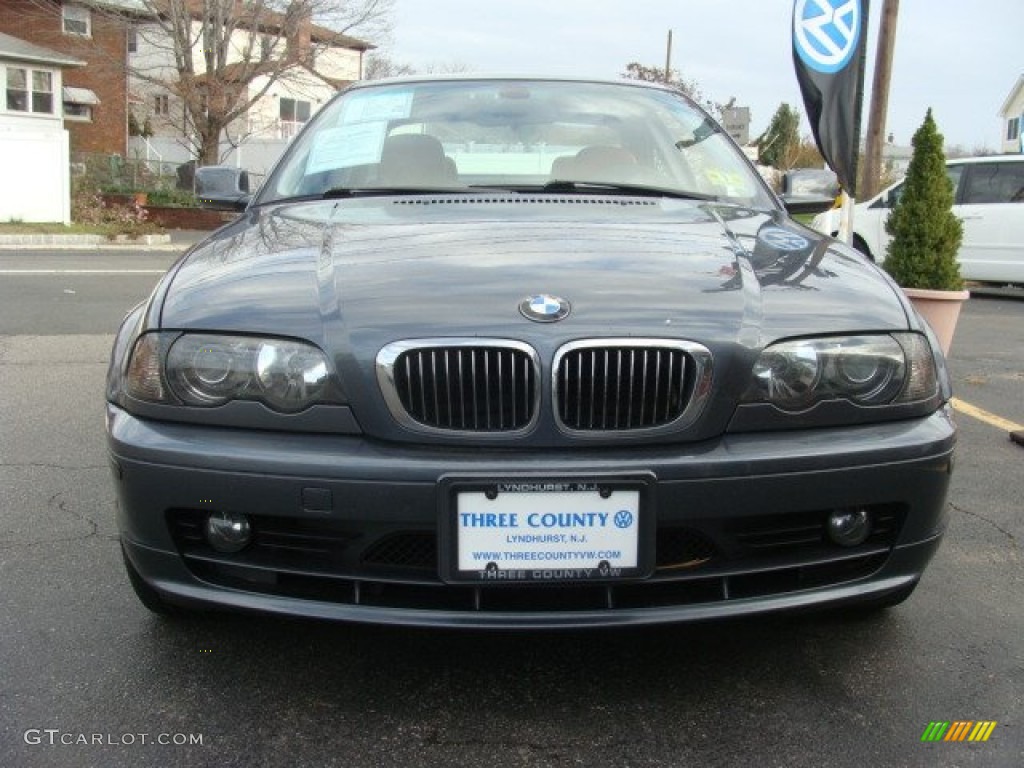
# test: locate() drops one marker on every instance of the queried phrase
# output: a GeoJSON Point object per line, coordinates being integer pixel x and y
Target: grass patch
{"type": "Point", "coordinates": [52, 228]}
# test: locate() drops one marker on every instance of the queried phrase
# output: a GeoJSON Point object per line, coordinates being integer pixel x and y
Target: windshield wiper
{"type": "Point", "coordinates": [626, 189]}
{"type": "Point", "coordinates": [342, 192]}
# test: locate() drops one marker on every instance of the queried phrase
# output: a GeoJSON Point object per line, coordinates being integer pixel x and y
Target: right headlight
{"type": "Point", "coordinates": [864, 370]}
{"type": "Point", "coordinates": [208, 370]}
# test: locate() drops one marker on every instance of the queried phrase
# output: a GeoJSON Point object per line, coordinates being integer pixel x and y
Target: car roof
{"type": "Point", "coordinates": [985, 159]}
{"type": "Point", "coordinates": [476, 78]}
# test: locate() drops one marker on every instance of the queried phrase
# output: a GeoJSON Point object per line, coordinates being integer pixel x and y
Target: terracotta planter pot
{"type": "Point", "coordinates": [941, 309]}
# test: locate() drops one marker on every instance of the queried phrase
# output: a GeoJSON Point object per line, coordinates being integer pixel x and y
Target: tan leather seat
{"type": "Point", "coordinates": [597, 164]}
{"type": "Point", "coordinates": [415, 160]}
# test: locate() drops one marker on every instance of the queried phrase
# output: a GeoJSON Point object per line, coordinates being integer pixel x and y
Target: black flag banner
{"type": "Point", "coordinates": [829, 38]}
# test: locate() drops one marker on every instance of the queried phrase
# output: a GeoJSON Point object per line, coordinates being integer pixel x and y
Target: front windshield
{"type": "Point", "coordinates": [518, 135]}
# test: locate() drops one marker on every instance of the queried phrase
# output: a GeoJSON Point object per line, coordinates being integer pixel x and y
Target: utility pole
{"type": "Point", "coordinates": [668, 58]}
{"type": "Point", "coordinates": [879, 100]}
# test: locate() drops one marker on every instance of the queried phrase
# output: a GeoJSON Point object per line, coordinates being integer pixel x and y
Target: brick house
{"type": "Point", "coordinates": [94, 97]}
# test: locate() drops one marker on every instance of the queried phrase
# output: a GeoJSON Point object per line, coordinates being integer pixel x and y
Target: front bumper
{"type": "Point", "coordinates": [351, 529]}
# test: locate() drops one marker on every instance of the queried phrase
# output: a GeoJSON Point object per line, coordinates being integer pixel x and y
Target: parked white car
{"type": "Point", "coordinates": [989, 198]}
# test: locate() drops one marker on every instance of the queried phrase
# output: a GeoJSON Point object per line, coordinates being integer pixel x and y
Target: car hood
{"type": "Point", "coordinates": [370, 271]}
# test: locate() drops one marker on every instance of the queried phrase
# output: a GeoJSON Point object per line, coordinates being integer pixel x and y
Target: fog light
{"type": "Point", "coordinates": [228, 532]}
{"type": "Point", "coordinates": [849, 527]}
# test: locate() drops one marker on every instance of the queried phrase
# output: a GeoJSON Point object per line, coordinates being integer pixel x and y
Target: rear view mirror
{"type": "Point", "coordinates": [222, 188]}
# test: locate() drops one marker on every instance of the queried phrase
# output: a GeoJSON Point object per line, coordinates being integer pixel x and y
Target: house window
{"type": "Point", "coordinates": [294, 111]}
{"type": "Point", "coordinates": [77, 20]}
{"type": "Point", "coordinates": [1013, 129]}
{"type": "Point", "coordinates": [293, 115]}
{"type": "Point", "coordinates": [29, 90]}
{"type": "Point", "coordinates": [133, 40]}
{"type": "Point", "coordinates": [161, 104]}
{"type": "Point", "coordinates": [17, 89]}
{"type": "Point", "coordinates": [80, 112]}
{"type": "Point", "coordinates": [42, 92]}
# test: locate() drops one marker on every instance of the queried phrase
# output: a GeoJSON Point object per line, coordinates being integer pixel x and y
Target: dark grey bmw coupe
{"type": "Point", "coordinates": [524, 353]}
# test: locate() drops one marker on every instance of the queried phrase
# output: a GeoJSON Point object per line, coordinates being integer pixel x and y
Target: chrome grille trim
{"type": "Point", "coordinates": [629, 386]}
{"type": "Point", "coordinates": [470, 386]}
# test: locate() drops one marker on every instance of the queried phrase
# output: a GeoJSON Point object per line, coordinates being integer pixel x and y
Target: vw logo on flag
{"type": "Point", "coordinates": [825, 32]}
{"type": "Point", "coordinates": [782, 239]}
{"type": "Point", "coordinates": [544, 308]}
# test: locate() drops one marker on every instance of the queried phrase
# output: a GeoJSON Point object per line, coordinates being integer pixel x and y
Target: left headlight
{"type": "Point", "coordinates": [865, 370]}
{"type": "Point", "coordinates": [208, 370]}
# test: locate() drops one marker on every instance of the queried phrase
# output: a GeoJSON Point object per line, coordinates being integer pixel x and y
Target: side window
{"type": "Point", "coordinates": [955, 173]}
{"type": "Point", "coordinates": [890, 200]}
{"type": "Point", "coordinates": [995, 183]}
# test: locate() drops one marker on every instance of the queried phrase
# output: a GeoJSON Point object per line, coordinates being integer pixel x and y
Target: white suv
{"type": "Point", "coordinates": [989, 198]}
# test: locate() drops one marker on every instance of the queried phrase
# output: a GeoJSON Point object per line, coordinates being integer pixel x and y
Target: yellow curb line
{"type": "Point", "coordinates": [989, 418]}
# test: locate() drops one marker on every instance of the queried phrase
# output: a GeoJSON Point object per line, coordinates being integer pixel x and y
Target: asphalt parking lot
{"type": "Point", "coordinates": [90, 678]}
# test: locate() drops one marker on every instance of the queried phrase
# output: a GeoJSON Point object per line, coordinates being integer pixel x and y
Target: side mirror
{"type": "Point", "coordinates": [809, 191]}
{"type": "Point", "coordinates": [806, 205]}
{"type": "Point", "coordinates": [222, 188]}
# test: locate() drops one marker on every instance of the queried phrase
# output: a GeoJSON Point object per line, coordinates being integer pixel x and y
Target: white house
{"type": "Point", "coordinates": [1012, 114]}
{"type": "Point", "coordinates": [315, 62]}
{"type": "Point", "coordinates": [34, 147]}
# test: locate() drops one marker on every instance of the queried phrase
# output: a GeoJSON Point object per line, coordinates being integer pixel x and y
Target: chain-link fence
{"type": "Point", "coordinates": [117, 173]}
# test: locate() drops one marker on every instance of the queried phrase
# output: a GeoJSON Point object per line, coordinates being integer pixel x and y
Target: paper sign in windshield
{"type": "Point", "coordinates": [346, 147]}
{"type": "Point", "coordinates": [377, 107]}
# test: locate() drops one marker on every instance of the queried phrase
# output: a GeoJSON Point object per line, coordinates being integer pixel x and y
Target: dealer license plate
{"type": "Point", "coordinates": [547, 531]}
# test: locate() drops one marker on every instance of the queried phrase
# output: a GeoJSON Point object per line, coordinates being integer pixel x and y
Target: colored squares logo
{"type": "Point", "coordinates": [959, 730]}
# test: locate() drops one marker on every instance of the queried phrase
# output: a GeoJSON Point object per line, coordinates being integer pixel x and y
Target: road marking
{"type": "Point", "coordinates": [82, 271]}
{"type": "Point", "coordinates": [982, 415]}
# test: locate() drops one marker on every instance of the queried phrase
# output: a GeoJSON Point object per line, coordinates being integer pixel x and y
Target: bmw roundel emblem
{"type": "Point", "coordinates": [544, 308]}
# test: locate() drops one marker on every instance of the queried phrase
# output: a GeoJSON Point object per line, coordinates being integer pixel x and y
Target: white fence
{"type": "Point", "coordinates": [36, 184]}
{"type": "Point", "coordinates": [164, 155]}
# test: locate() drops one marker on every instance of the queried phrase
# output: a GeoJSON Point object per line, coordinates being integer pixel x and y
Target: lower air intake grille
{"type": "Point", "coordinates": [406, 549]}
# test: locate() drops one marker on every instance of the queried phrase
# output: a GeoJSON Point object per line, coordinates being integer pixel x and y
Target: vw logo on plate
{"type": "Point", "coordinates": [544, 308]}
{"type": "Point", "coordinates": [825, 32]}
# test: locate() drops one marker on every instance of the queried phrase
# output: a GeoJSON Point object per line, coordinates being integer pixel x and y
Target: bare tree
{"type": "Point", "coordinates": [380, 65]}
{"type": "Point", "coordinates": [217, 58]}
{"type": "Point", "coordinates": [674, 80]}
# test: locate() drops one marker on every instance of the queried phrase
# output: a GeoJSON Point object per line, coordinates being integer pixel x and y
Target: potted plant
{"type": "Point", "coordinates": [926, 237]}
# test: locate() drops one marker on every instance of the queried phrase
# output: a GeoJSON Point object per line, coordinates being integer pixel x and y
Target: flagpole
{"type": "Point", "coordinates": [850, 195]}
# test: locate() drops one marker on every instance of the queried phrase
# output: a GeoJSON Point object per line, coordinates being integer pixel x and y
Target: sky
{"type": "Point", "coordinates": [959, 57]}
